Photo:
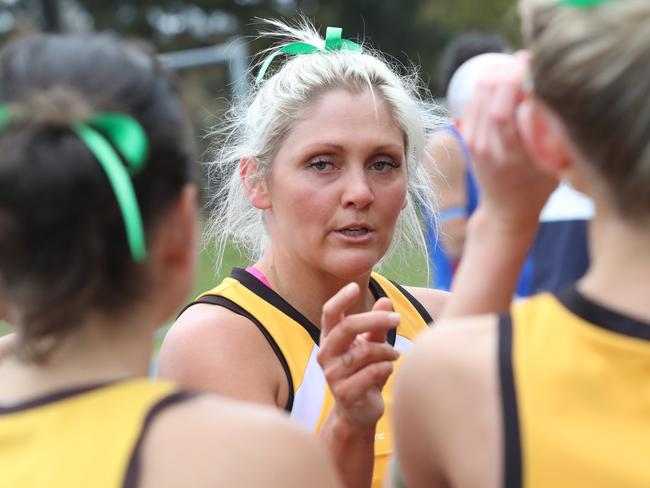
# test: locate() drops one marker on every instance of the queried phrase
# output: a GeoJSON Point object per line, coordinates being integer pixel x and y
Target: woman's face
{"type": "Point", "coordinates": [337, 185]}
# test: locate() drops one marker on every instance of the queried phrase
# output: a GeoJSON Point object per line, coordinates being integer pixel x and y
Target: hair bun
{"type": "Point", "coordinates": [58, 107]}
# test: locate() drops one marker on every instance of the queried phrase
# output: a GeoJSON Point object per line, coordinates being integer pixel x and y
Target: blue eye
{"type": "Point", "coordinates": [320, 165]}
{"type": "Point", "coordinates": [384, 165]}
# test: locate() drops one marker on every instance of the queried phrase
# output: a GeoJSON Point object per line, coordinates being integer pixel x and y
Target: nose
{"type": "Point", "coordinates": [357, 191]}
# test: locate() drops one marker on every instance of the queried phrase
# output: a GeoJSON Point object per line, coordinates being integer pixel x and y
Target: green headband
{"type": "Point", "coordinates": [583, 3]}
{"type": "Point", "coordinates": [105, 135]}
{"type": "Point", "coordinates": [333, 42]}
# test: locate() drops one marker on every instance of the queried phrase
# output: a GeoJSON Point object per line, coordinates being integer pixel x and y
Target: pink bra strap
{"type": "Point", "coordinates": [259, 275]}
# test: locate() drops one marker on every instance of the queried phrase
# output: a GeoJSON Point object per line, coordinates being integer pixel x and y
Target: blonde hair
{"type": "Point", "coordinates": [258, 125]}
{"type": "Point", "coordinates": [592, 67]}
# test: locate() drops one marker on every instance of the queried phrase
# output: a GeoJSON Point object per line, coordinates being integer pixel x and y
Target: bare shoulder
{"type": "Point", "coordinates": [216, 442]}
{"type": "Point", "coordinates": [446, 404]}
{"type": "Point", "coordinates": [210, 348]}
{"type": "Point", "coordinates": [456, 344]}
{"type": "Point", "coordinates": [431, 299]}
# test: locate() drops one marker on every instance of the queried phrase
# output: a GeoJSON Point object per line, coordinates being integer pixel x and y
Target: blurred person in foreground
{"type": "Point", "coordinates": [98, 222]}
{"type": "Point", "coordinates": [552, 391]}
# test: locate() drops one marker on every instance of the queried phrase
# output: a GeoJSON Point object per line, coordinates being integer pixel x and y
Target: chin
{"type": "Point", "coordinates": [352, 267]}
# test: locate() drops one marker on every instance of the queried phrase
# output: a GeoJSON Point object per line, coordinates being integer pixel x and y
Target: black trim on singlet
{"type": "Point", "coordinates": [512, 463]}
{"type": "Point", "coordinates": [260, 289]}
{"type": "Point", "coordinates": [55, 397]}
{"type": "Point", "coordinates": [416, 304]}
{"type": "Point", "coordinates": [133, 469]}
{"type": "Point", "coordinates": [378, 292]}
{"type": "Point", "coordinates": [235, 308]}
{"type": "Point", "coordinates": [603, 317]}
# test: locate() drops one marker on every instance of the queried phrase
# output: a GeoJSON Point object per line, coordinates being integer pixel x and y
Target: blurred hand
{"type": "Point", "coordinates": [512, 189]}
{"type": "Point", "coordinates": [355, 356]}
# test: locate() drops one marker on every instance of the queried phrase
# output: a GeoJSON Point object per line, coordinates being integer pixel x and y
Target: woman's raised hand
{"type": "Point", "coordinates": [355, 356]}
{"type": "Point", "coordinates": [513, 189]}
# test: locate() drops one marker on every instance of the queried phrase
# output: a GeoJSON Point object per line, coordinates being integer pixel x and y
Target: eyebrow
{"type": "Point", "coordinates": [338, 147]}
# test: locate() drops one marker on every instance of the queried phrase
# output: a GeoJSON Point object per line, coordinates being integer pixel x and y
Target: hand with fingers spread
{"type": "Point", "coordinates": [355, 356]}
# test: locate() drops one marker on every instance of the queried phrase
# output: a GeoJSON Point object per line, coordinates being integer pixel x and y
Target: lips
{"type": "Point", "coordinates": [355, 230]}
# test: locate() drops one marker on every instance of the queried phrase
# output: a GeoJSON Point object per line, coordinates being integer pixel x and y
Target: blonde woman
{"type": "Point", "coordinates": [322, 171]}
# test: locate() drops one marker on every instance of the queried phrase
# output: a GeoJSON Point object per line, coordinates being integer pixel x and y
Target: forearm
{"type": "Point", "coordinates": [453, 237]}
{"type": "Point", "coordinates": [352, 449]}
{"type": "Point", "coordinates": [492, 259]}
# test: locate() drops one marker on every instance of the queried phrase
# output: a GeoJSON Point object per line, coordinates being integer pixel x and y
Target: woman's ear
{"type": "Point", "coordinates": [177, 238]}
{"type": "Point", "coordinates": [173, 252]}
{"type": "Point", "coordinates": [256, 187]}
{"type": "Point", "coordinates": [544, 137]}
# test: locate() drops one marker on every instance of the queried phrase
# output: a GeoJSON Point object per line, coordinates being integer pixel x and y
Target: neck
{"type": "Point", "coordinates": [101, 349]}
{"type": "Point", "coordinates": [321, 285]}
{"type": "Point", "coordinates": [620, 264]}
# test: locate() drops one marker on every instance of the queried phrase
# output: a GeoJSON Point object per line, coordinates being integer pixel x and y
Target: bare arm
{"type": "Point", "coordinates": [211, 349]}
{"type": "Point", "coordinates": [449, 173]}
{"type": "Point", "coordinates": [214, 443]}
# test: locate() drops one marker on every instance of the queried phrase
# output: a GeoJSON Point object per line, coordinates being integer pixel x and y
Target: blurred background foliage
{"type": "Point", "coordinates": [414, 32]}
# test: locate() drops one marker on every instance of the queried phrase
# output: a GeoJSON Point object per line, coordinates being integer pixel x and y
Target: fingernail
{"type": "Point", "coordinates": [394, 317]}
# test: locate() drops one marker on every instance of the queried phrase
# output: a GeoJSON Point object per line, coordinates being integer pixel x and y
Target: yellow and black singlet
{"type": "Point", "coordinates": [294, 339]}
{"type": "Point", "coordinates": [83, 437]}
{"type": "Point", "coordinates": [575, 382]}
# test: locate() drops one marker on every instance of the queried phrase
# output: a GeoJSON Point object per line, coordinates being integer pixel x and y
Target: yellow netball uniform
{"type": "Point", "coordinates": [81, 438]}
{"type": "Point", "coordinates": [576, 394]}
{"type": "Point", "coordinates": [295, 339]}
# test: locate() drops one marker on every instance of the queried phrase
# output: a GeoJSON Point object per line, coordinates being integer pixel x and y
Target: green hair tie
{"type": "Point", "coordinates": [105, 135]}
{"type": "Point", "coordinates": [129, 138]}
{"type": "Point", "coordinates": [583, 3]}
{"type": "Point", "coordinates": [333, 42]}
